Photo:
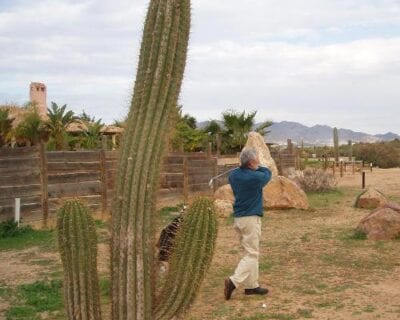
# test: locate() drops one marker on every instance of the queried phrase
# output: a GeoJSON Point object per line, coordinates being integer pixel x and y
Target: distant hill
{"type": "Point", "coordinates": [320, 134]}
{"type": "Point", "coordinates": [316, 135]}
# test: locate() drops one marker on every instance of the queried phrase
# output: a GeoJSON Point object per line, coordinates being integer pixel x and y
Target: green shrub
{"type": "Point", "coordinates": [9, 228]}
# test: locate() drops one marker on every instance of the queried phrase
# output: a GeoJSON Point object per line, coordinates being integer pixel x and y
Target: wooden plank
{"type": "Point", "coordinates": [172, 168]}
{"type": "Point", "coordinates": [67, 177]}
{"type": "Point", "coordinates": [19, 179]}
{"type": "Point", "coordinates": [200, 187]}
{"type": "Point", "coordinates": [19, 191]}
{"type": "Point", "coordinates": [72, 156]}
{"type": "Point", "coordinates": [19, 162]}
{"type": "Point", "coordinates": [111, 155]}
{"type": "Point", "coordinates": [73, 166]}
{"type": "Point", "coordinates": [173, 160]}
{"type": "Point", "coordinates": [55, 203]}
{"type": "Point", "coordinates": [7, 212]}
{"type": "Point", "coordinates": [19, 152]}
{"type": "Point", "coordinates": [28, 199]}
{"type": "Point", "coordinates": [74, 189]}
{"type": "Point", "coordinates": [201, 163]}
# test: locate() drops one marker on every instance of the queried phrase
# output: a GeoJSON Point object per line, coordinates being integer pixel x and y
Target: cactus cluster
{"type": "Point", "coordinates": [78, 249]}
{"type": "Point", "coordinates": [159, 77]}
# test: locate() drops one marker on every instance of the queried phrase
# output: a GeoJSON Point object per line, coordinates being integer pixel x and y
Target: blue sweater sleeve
{"type": "Point", "coordinates": [263, 175]}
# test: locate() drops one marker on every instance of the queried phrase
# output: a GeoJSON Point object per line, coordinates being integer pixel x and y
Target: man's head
{"type": "Point", "coordinates": [249, 159]}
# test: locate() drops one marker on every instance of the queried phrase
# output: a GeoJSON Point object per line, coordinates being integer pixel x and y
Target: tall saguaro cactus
{"type": "Point", "coordinates": [159, 77]}
{"type": "Point", "coordinates": [78, 249]}
{"type": "Point", "coordinates": [336, 143]}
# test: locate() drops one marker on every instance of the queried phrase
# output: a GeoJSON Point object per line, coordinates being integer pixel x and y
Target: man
{"type": "Point", "coordinates": [247, 183]}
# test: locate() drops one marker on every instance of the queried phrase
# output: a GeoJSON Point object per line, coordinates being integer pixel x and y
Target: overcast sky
{"type": "Point", "coordinates": [333, 62]}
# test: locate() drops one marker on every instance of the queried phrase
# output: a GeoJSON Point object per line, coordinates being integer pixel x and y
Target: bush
{"type": "Point", "coordinates": [9, 228]}
{"type": "Point", "coordinates": [383, 155]}
{"type": "Point", "coordinates": [316, 180]}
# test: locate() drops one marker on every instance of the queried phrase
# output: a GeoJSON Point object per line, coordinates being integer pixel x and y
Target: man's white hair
{"type": "Point", "coordinates": [247, 155]}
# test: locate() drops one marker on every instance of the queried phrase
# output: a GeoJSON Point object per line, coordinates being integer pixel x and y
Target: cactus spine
{"type": "Point", "coordinates": [78, 249]}
{"type": "Point", "coordinates": [159, 77]}
{"type": "Point", "coordinates": [336, 143]}
{"type": "Point", "coordinates": [194, 247]}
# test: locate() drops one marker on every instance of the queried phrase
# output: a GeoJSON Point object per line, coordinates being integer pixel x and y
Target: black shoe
{"type": "Point", "coordinates": [229, 287]}
{"type": "Point", "coordinates": [257, 290]}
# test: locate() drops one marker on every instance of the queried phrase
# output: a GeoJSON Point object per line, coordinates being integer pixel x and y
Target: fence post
{"type": "Point", "coordinates": [341, 169]}
{"type": "Point", "coordinates": [209, 150]}
{"type": "Point", "coordinates": [44, 182]}
{"type": "Point", "coordinates": [104, 142]}
{"type": "Point", "coordinates": [218, 138]}
{"type": "Point", "coordinates": [334, 168]}
{"type": "Point", "coordinates": [363, 180]}
{"type": "Point", "coordinates": [103, 179]}
{"type": "Point", "coordinates": [17, 209]}
{"type": "Point", "coordinates": [185, 179]}
{"type": "Point", "coordinates": [215, 172]}
{"type": "Point", "coordinates": [353, 167]}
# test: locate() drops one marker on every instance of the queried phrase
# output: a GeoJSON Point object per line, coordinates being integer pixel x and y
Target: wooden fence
{"type": "Point", "coordinates": [42, 180]}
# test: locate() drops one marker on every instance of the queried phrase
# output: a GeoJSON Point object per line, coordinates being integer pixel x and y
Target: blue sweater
{"type": "Point", "coordinates": [247, 188]}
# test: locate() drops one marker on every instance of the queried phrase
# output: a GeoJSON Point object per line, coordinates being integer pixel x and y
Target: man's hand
{"type": "Point", "coordinates": [254, 164]}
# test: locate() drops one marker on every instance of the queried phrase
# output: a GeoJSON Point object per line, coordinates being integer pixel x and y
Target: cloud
{"type": "Point", "coordinates": [312, 61]}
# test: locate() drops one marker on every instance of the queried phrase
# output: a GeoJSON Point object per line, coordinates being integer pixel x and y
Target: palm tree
{"type": "Point", "coordinates": [262, 127]}
{"type": "Point", "coordinates": [57, 124]}
{"type": "Point", "coordinates": [237, 126]}
{"type": "Point", "coordinates": [5, 127]}
{"type": "Point", "coordinates": [31, 128]}
{"type": "Point", "coordinates": [92, 134]}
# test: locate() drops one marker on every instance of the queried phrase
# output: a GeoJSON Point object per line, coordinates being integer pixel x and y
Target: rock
{"type": "Point", "coordinates": [224, 208]}
{"type": "Point", "coordinates": [256, 141]}
{"type": "Point", "coordinates": [282, 193]}
{"type": "Point", "coordinates": [371, 199]}
{"type": "Point", "coordinates": [224, 193]}
{"type": "Point", "coordinates": [382, 223]}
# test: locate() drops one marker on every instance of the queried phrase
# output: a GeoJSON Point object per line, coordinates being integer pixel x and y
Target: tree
{"type": "Point", "coordinates": [57, 123]}
{"type": "Point", "coordinates": [92, 134]}
{"type": "Point", "coordinates": [238, 125]}
{"type": "Point", "coordinates": [5, 127]}
{"type": "Point", "coordinates": [185, 133]}
{"type": "Point", "coordinates": [31, 128]}
{"type": "Point", "coordinates": [262, 128]}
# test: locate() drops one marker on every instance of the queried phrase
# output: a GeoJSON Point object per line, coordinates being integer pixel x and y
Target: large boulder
{"type": "Point", "coordinates": [371, 199]}
{"type": "Point", "coordinates": [256, 141]}
{"type": "Point", "coordinates": [280, 193]}
{"type": "Point", "coordinates": [382, 223]}
{"type": "Point", "coordinates": [224, 208]}
{"type": "Point", "coordinates": [283, 193]}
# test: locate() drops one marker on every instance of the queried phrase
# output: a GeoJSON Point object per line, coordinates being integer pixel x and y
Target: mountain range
{"type": "Point", "coordinates": [320, 134]}
{"type": "Point", "coordinates": [316, 135]}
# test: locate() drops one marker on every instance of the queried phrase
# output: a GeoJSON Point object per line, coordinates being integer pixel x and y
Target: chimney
{"type": "Point", "coordinates": [38, 95]}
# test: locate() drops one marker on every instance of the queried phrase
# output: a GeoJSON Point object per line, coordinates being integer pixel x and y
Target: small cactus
{"type": "Point", "coordinates": [77, 243]}
{"type": "Point", "coordinates": [191, 258]}
{"type": "Point", "coordinates": [336, 143]}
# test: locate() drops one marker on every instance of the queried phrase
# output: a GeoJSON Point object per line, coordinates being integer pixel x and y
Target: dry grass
{"type": "Point", "coordinates": [314, 264]}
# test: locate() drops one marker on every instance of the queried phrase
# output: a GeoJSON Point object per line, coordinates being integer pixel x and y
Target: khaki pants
{"type": "Point", "coordinates": [246, 273]}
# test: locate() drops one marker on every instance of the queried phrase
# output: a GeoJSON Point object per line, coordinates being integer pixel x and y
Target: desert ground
{"type": "Point", "coordinates": [315, 263]}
